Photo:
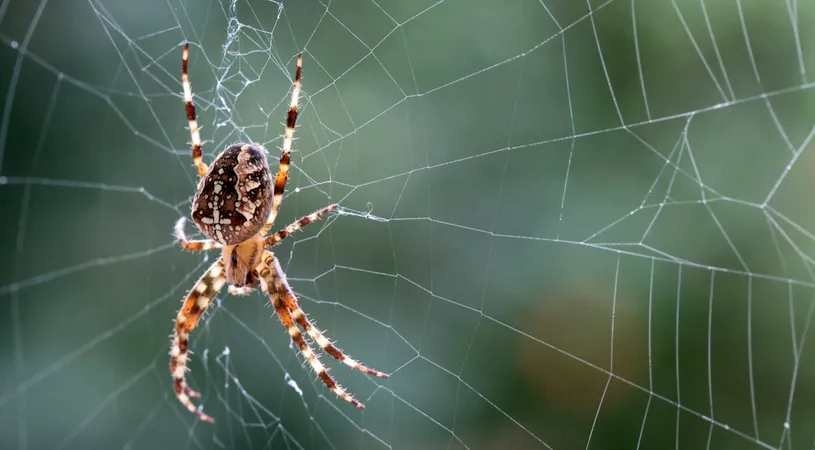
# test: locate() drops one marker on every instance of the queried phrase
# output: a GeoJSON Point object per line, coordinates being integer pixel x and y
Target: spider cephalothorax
{"type": "Point", "coordinates": [235, 207]}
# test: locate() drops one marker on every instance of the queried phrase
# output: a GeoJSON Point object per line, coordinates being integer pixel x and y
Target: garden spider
{"type": "Point", "coordinates": [235, 205]}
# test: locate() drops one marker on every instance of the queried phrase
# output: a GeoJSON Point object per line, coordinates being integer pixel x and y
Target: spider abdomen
{"type": "Point", "coordinates": [233, 199]}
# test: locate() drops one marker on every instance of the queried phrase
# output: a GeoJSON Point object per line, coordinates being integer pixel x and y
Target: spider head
{"type": "Point", "coordinates": [233, 199]}
{"type": "Point", "coordinates": [240, 261]}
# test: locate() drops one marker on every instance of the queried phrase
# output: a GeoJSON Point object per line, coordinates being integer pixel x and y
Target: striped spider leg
{"type": "Point", "coordinates": [282, 175]}
{"type": "Point", "coordinates": [190, 108]}
{"type": "Point", "coordinates": [273, 282]}
{"type": "Point", "coordinates": [197, 301]}
{"type": "Point", "coordinates": [235, 205]}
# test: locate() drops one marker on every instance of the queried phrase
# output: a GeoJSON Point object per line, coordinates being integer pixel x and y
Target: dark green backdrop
{"type": "Point", "coordinates": [563, 224]}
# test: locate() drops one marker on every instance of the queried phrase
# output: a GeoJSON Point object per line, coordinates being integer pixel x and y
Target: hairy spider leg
{"type": "Point", "coordinates": [282, 175]}
{"type": "Point", "coordinates": [196, 302]}
{"type": "Point", "coordinates": [271, 282]}
{"type": "Point", "coordinates": [193, 246]}
{"type": "Point", "coordinates": [239, 291]}
{"type": "Point", "coordinates": [290, 301]}
{"type": "Point", "coordinates": [194, 129]}
{"type": "Point", "coordinates": [284, 233]}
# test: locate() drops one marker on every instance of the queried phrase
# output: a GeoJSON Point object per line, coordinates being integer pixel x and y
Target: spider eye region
{"type": "Point", "coordinates": [233, 199]}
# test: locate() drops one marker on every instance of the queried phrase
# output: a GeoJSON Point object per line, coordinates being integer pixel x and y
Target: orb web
{"type": "Point", "coordinates": [561, 224]}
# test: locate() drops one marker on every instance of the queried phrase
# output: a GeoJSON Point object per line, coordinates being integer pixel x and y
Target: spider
{"type": "Point", "coordinates": [235, 206]}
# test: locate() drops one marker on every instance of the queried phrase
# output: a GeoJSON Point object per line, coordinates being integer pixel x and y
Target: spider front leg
{"type": "Point", "coordinates": [269, 280]}
{"type": "Point", "coordinates": [193, 246]}
{"type": "Point", "coordinates": [291, 303]}
{"type": "Point", "coordinates": [196, 302]}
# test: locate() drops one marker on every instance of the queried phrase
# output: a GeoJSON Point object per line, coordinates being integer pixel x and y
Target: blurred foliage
{"type": "Point", "coordinates": [565, 224]}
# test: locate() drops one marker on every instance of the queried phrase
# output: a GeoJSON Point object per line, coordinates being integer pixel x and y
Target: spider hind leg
{"type": "Point", "coordinates": [282, 175]}
{"type": "Point", "coordinates": [190, 108]}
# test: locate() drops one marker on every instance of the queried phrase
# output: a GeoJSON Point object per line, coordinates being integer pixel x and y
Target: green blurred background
{"type": "Point", "coordinates": [563, 224]}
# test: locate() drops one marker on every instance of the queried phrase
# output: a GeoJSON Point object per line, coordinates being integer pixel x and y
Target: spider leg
{"type": "Point", "coordinates": [193, 246]}
{"type": "Point", "coordinates": [194, 130]}
{"type": "Point", "coordinates": [269, 281]}
{"type": "Point", "coordinates": [282, 234]}
{"type": "Point", "coordinates": [240, 291]}
{"type": "Point", "coordinates": [290, 301]}
{"type": "Point", "coordinates": [283, 172]}
{"type": "Point", "coordinates": [197, 301]}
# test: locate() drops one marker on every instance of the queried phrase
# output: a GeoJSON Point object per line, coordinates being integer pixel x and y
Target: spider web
{"type": "Point", "coordinates": [562, 224]}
